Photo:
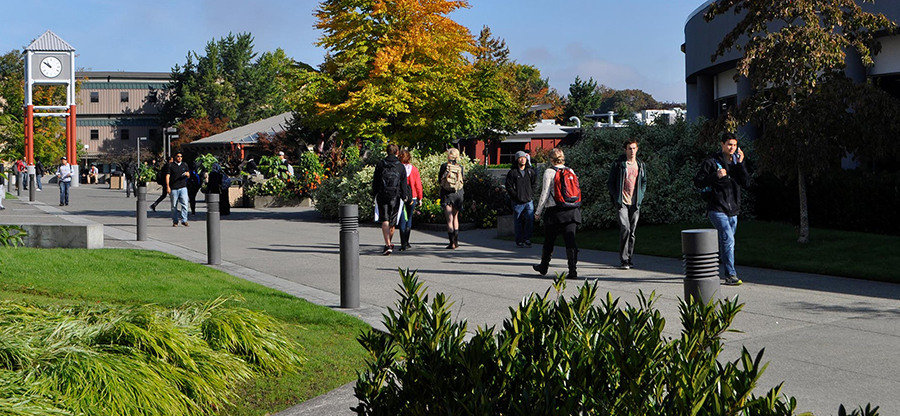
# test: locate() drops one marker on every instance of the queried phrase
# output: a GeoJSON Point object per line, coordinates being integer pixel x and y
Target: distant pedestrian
{"type": "Point", "coordinates": [720, 179]}
{"type": "Point", "coordinates": [176, 184]}
{"type": "Point", "coordinates": [161, 180]}
{"type": "Point", "coordinates": [21, 177]}
{"type": "Point", "coordinates": [415, 185]}
{"type": "Point", "coordinates": [218, 182]}
{"type": "Point", "coordinates": [2, 185]}
{"type": "Point", "coordinates": [559, 218]}
{"type": "Point", "coordinates": [64, 177]}
{"type": "Point", "coordinates": [627, 184]}
{"type": "Point", "coordinates": [285, 162]}
{"type": "Point", "coordinates": [39, 172]}
{"type": "Point", "coordinates": [390, 190]}
{"type": "Point", "coordinates": [520, 181]}
{"type": "Point", "coordinates": [193, 186]}
{"type": "Point", "coordinates": [130, 171]}
{"type": "Point", "coordinates": [93, 175]}
{"type": "Point", "coordinates": [451, 178]}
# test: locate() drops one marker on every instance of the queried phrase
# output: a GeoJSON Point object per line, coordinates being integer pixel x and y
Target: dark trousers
{"type": "Point", "coordinates": [161, 197]}
{"type": "Point", "coordinates": [553, 230]}
{"type": "Point", "coordinates": [628, 220]}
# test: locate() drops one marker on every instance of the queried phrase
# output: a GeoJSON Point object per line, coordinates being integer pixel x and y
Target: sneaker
{"type": "Point", "coordinates": [630, 264]}
{"type": "Point", "coordinates": [175, 224]}
{"type": "Point", "coordinates": [528, 243]}
{"type": "Point", "coordinates": [61, 204]}
{"type": "Point", "coordinates": [185, 224]}
{"type": "Point", "coordinates": [520, 245]}
{"type": "Point", "coordinates": [625, 266]}
{"type": "Point", "coordinates": [388, 250]}
{"type": "Point", "coordinates": [733, 281]}
{"type": "Point", "coordinates": [39, 190]}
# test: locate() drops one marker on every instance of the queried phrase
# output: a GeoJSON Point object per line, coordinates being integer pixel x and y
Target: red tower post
{"type": "Point", "coordinates": [73, 140]}
{"type": "Point", "coordinates": [29, 134]}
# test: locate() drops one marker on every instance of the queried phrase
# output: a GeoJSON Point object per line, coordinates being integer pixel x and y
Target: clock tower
{"type": "Point", "coordinates": [49, 60]}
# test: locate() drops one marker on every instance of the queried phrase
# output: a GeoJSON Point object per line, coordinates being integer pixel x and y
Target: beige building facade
{"type": "Point", "coordinates": [116, 108]}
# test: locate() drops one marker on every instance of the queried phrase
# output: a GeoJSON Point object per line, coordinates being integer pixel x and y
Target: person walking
{"type": "Point", "coordinates": [451, 178]}
{"type": "Point", "coordinates": [161, 180]}
{"type": "Point", "coordinates": [720, 179]}
{"type": "Point", "coordinates": [218, 182]}
{"type": "Point", "coordinates": [520, 181]}
{"type": "Point", "coordinates": [193, 186]}
{"type": "Point", "coordinates": [627, 184]}
{"type": "Point", "coordinates": [130, 170]}
{"type": "Point", "coordinates": [176, 184]}
{"type": "Point", "coordinates": [559, 219]}
{"type": "Point", "coordinates": [414, 181]}
{"type": "Point", "coordinates": [21, 175]}
{"type": "Point", "coordinates": [64, 177]}
{"type": "Point", "coordinates": [2, 185]}
{"type": "Point", "coordinates": [39, 172]}
{"type": "Point", "coordinates": [390, 189]}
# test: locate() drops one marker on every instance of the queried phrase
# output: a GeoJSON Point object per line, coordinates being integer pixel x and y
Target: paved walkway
{"type": "Point", "coordinates": [832, 340]}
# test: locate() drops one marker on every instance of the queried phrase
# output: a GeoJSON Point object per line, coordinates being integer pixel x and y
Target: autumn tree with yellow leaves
{"type": "Point", "coordinates": [400, 71]}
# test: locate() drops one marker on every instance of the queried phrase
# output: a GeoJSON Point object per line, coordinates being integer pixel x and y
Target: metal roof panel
{"type": "Point", "coordinates": [49, 42]}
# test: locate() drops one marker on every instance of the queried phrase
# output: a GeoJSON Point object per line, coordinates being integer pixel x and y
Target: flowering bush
{"type": "Point", "coordinates": [310, 173]}
{"type": "Point", "coordinates": [355, 188]}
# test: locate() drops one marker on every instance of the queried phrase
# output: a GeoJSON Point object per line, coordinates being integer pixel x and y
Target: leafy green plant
{"type": "Point", "coordinates": [12, 235]}
{"type": "Point", "coordinates": [204, 163]}
{"type": "Point", "coordinates": [310, 172]}
{"type": "Point", "coordinates": [111, 360]}
{"type": "Point", "coordinates": [146, 174]}
{"type": "Point", "coordinates": [558, 355]}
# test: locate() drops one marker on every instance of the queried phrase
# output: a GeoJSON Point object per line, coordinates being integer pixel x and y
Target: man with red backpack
{"type": "Point", "coordinates": [389, 187]}
{"type": "Point", "coordinates": [561, 197]}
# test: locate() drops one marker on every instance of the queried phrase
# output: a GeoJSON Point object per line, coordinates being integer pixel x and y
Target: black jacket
{"type": "Point", "coordinates": [520, 188]}
{"type": "Point", "coordinates": [390, 162]}
{"type": "Point", "coordinates": [726, 191]}
{"type": "Point", "coordinates": [176, 172]}
{"type": "Point", "coordinates": [616, 183]}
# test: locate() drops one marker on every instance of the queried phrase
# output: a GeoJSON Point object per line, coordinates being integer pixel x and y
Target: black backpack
{"type": "Point", "coordinates": [390, 180]}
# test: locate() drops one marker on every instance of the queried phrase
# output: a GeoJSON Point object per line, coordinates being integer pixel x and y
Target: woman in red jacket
{"type": "Point", "coordinates": [415, 184]}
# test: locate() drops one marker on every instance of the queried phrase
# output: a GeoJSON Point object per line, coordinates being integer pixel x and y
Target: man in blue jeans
{"type": "Point", "coordinates": [720, 178]}
{"type": "Point", "coordinates": [176, 185]}
{"type": "Point", "coordinates": [520, 182]}
{"type": "Point", "coordinates": [64, 176]}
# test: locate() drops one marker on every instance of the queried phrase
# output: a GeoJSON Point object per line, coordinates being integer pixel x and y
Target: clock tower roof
{"type": "Point", "coordinates": [49, 42]}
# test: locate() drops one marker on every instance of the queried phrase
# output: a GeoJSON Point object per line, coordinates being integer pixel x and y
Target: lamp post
{"type": "Point", "coordinates": [139, 150]}
{"type": "Point", "coordinates": [170, 133]}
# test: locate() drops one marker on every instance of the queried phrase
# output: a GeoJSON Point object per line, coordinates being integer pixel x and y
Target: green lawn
{"type": "Point", "coordinates": [773, 245]}
{"type": "Point", "coordinates": [129, 277]}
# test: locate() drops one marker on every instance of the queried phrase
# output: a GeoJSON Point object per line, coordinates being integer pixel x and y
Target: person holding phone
{"type": "Point", "coordinates": [725, 173]}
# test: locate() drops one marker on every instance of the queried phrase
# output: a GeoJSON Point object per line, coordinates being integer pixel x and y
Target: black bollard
{"type": "Point", "coordinates": [349, 256]}
{"type": "Point", "coordinates": [18, 183]}
{"type": "Point", "coordinates": [213, 232]}
{"type": "Point", "coordinates": [31, 184]}
{"type": "Point", "coordinates": [701, 264]}
{"type": "Point", "coordinates": [142, 213]}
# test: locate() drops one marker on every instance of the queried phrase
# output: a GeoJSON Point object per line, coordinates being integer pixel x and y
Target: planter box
{"type": "Point", "coordinates": [268, 201]}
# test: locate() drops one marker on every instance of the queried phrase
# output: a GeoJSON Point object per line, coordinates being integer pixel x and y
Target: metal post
{"type": "Point", "coordinates": [213, 234]}
{"type": "Point", "coordinates": [349, 217]}
{"type": "Point", "coordinates": [701, 264]}
{"type": "Point", "coordinates": [141, 213]}
{"type": "Point", "coordinates": [31, 183]}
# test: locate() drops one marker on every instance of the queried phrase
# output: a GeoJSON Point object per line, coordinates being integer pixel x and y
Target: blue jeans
{"type": "Point", "coordinates": [64, 192]}
{"type": "Point", "coordinates": [38, 180]}
{"type": "Point", "coordinates": [177, 196]}
{"type": "Point", "coordinates": [407, 215]}
{"type": "Point", "coordinates": [523, 216]}
{"type": "Point", "coordinates": [726, 226]}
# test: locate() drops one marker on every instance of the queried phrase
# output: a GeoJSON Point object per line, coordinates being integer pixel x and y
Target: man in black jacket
{"type": "Point", "coordinates": [520, 183]}
{"type": "Point", "coordinates": [389, 187]}
{"type": "Point", "coordinates": [720, 179]}
{"type": "Point", "coordinates": [627, 184]}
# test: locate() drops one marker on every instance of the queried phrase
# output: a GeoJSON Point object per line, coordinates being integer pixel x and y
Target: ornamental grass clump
{"type": "Point", "coordinates": [148, 360]}
{"type": "Point", "coordinates": [559, 355]}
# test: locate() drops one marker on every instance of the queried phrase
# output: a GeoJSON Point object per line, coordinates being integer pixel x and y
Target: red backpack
{"type": "Point", "coordinates": [567, 192]}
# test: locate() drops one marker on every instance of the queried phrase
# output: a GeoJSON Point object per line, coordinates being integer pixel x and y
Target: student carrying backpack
{"type": "Point", "coordinates": [561, 198]}
{"type": "Point", "coordinates": [451, 179]}
{"type": "Point", "coordinates": [567, 192]}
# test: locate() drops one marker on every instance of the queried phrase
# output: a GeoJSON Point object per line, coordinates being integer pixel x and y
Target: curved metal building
{"type": "Point", "coordinates": [711, 88]}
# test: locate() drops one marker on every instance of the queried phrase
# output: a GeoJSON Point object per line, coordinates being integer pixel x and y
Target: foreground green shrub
{"type": "Point", "coordinates": [140, 360]}
{"type": "Point", "coordinates": [559, 356]}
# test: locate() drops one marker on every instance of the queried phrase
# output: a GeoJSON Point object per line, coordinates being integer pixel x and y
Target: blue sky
{"type": "Point", "coordinates": [620, 43]}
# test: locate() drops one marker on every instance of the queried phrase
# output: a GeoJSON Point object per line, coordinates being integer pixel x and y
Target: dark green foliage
{"type": "Point", "coordinates": [560, 356]}
{"type": "Point", "coordinates": [12, 235]}
{"type": "Point", "coordinates": [485, 197]}
{"type": "Point", "coordinates": [672, 155]}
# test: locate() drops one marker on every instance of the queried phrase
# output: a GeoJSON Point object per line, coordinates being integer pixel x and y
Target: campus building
{"type": "Point", "coordinates": [711, 89]}
{"type": "Point", "coordinates": [116, 108]}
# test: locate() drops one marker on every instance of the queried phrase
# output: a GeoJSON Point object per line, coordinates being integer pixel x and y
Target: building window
{"type": "Point", "coordinates": [124, 134]}
{"type": "Point", "coordinates": [95, 134]}
{"type": "Point", "coordinates": [123, 96]}
{"type": "Point", "coordinates": [95, 97]}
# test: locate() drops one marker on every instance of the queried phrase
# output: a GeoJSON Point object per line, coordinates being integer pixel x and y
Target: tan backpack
{"type": "Point", "coordinates": [453, 180]}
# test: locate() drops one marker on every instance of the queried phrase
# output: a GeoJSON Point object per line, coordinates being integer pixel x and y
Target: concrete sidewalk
{"type": "Point", "coordinates": [832, 340]}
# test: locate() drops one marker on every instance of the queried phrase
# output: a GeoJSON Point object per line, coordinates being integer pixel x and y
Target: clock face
{"type": "Point", "coordinates": [51, 67]}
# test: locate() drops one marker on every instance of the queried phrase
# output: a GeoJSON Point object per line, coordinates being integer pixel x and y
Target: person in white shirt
{"type": "Point", "coordinates": [284, 160]}
{"type": "Point", "coordinates": [64, 177]}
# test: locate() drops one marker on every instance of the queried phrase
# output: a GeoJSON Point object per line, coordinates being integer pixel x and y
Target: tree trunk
{"type": "Point", "coordinates": [804, 210]}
